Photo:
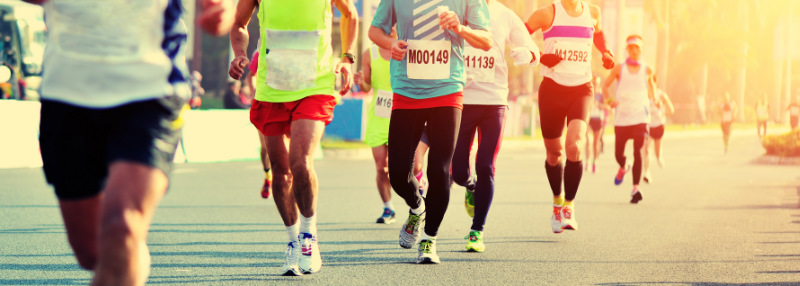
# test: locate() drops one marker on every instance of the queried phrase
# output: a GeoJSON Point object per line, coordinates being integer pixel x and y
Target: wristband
{"type": "Point", "coordinates": [350, 57]}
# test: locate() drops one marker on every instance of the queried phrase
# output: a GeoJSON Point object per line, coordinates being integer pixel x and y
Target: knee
{"type": "Point", "coordinates": [399, 180]}
{"type": "Point", "coordinates": [553, 157]}
{"type": "Point", "coordinates": [300, 165]}
{"type": "Point", "coordinates": [484, 170]}
{"type": "Point", "coordinates": [382, 170]}
{"type": "Point", "coordinates": [573, 150]}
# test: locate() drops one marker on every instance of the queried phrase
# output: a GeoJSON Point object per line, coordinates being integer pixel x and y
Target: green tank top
{"type": "Point", "coordinates": [380, 76]}
{"type": "Point", "coordinates": [296, 58]}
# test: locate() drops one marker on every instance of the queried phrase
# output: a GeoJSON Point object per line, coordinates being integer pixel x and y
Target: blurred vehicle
{"type": "Point", "coordinates": [23, 37]}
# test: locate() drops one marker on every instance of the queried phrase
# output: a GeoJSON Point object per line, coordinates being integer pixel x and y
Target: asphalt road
{"type": "Point", "coordinates": [707, 219]}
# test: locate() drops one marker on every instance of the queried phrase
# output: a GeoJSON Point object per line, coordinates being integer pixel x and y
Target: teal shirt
{"type": "Point", "coordinates": [407, 13]}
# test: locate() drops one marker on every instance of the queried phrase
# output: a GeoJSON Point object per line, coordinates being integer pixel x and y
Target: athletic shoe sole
{"type": "Point", "coordinates": [428, 260]}
{"type": "Point", "coordinates": [292, 272]}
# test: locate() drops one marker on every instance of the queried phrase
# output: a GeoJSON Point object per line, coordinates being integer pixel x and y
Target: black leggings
{"type": "Point", "coordinates": [638, 133]}
{"type": "Point", "coordinates": [405, 130]}
{"type": "Point", "coordinates": [487, 120]}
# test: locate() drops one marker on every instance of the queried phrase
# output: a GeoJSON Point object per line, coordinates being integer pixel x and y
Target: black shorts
{"type": "Point", "coordinates": [558, 102]}
{"type": "Point", "coordinates": [657, 132]}
{"type": "Point", "coordinates": [595, 123]}
{"type": "Point", "coordinates": [78, 143]}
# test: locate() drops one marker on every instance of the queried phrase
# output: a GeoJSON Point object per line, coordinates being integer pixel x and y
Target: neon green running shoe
{"type": "Point", "coordinates": [475, 241]}
{"type": "Point", "coordinates": [469, 202]}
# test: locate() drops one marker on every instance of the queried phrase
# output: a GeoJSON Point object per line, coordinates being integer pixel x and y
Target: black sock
{"type": "Point", "coordinates": [554, 175]}
{"type": "Point", "coordinates": [573, 171]}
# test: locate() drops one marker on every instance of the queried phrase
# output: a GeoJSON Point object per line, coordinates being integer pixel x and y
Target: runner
{"type": "Point", "coordinates": [597, 118]}
{"type": "Point", "coordinates": [375, 75]}
{"type": "Point", "coordinates": [485, 103]}
{"type": "Point", "coordinates": [762, 115]}
{"type": "Point", "coordinates": [727, 110]}
{"type": "Point", "coordinates": [427, 78]}
{"type": "Point", "coordinates": [108, 134]}
{"type": "Point", "coordinates": [293, 103]}
{"type": "Point", "coordinates": [794, 112]}
{"type": "Point", "coordinates": [659, 109]}
{"type": "Point", "coordinates": [569, 28]}
{"type": "Point", "coordinates": [632, 106]}
{"type": "Point", "coordinates": [251, 81]}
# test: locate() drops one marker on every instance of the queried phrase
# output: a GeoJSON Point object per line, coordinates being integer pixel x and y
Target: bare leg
{"type": "Point", "coordinates": [130, 198]}
{"type": "Point", "coordinates": [264, 156]}
{"type": "Point", "coordinates": [380, 154]}
{"type": "Point", "coordinates": [282, 178]}
{"type": "Point", "coordinates": [306, 135]}
{"type": "Point", "coordinates": [419, 157]}
{"type": "Point", "coordinates": [81, 220]}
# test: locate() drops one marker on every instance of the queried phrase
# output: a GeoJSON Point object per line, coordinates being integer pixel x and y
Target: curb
{"type": "Point", "coordinates": [777, 160]}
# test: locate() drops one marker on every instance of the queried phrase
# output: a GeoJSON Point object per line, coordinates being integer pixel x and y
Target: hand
{"type": "Point", "coordinates": [217, 17]}
{"type": "Point", "coordinates": [399, 49]}
{"type": "Point", "coordinates": [521, 56]}
{"type": "Point", "coordinates": [449, 20]}
{"type": "Point", "coordinates": [237, 67]}
{"type": "Point", "coordinates": [358, 78]}
{"type": "Point", "coordinates": [613, 103]}
{"type": "Point", "coordinates": [608, 60]}
{"type": "Point", "coordinates": [345, 67]}
{"type": "Point", "coordinates": [550, 60]}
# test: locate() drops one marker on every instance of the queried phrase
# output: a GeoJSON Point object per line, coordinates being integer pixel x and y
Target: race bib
{"type": "Point", "coordinates": [480, 64]}
{"type": "Point", "coordinates": [427, 59]}
{"type": "Point", "coordinates": [383, 103]}
{"type": "Point", "coordinates": [576, 57]}
{"type": "Point", "coordinates": [291, 59]}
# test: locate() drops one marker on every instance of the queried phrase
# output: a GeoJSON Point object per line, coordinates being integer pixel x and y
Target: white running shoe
{"type": "Point", "coordinates": [410, 232]}
{"type": "Point", "coordinates": [568, 218]}
{"type": "Point", "coordinates": [291, 267]}
{"type": "Point", "coordinates": [311, 261]}
{"type": "Point", "coordinates": [555, 220]}
{"type": "Point", "coordinates": [427, 252]}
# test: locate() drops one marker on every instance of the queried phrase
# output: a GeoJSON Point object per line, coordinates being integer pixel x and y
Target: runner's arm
{"type": "Point", "coordinates": [668, 102]}
{"type": "Point", "coordinates": [520, 38]}
{"type": "Point", "coordinates": [240, 37]}
{"type": "Point", "coordinates": [366, 72]}
{"type": "Point", "coordinates": [612, 76]}
{"type": "Point", "coordinates": [348, 24]}
{"type": "Point", "coordinates": [651, 84]}
{"type": "Point", "coordinates": [541, 19]}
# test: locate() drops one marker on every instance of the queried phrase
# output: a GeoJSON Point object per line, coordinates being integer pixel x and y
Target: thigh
{"type": "Point", "coordinates": [405, 130]}
{"type": "Point", "coordinates": [552, 109]}
{"type": "Point", "coordinates": [580, 104]}
{"type": "Point", "coordinates": [305, 136]}
{"type": "Point", "coordinates": [315, 107]}
{"type": "Point", "coordinates": [443, 126]}
{"type": "Point", "coordinates": [491, 130]}
{"type": "Point", "coordinates": [639, 133]}
{"type": "Point", "coordinates": [73, 150]}
{"type": "Point", "coordinates": [470, 117]}
{"type": "Point", "coordinates": [271, 119]}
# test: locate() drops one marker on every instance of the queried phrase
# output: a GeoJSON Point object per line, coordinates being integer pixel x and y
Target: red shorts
{"type": "Point", "coordinates": [275, 118]}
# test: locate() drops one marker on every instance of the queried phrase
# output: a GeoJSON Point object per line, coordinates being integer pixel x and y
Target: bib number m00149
{"type": "Point", "coordinates": [427, 59]}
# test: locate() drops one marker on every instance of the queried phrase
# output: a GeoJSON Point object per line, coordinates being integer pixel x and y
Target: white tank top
{"type": "Point", "coordinates": [634, 104]}
{"type": "Point", "coordinates": [657, 118]}
{"type": "Point", "coordinates": [571, 38]}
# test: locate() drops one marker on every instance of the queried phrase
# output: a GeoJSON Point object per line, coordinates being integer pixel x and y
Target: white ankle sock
{"type": "Point", "coordinates": [308, 224]}
{"type": "Point", "coordinates": [388, 205]}
{"type": "Point", "coordinates": [635, 190]}
{"type": "Point", "coordinates": [425, 236]}
{"type": "Point", "coordinates": [293, 231]}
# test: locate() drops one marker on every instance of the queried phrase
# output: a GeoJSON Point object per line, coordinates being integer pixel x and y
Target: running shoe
{"type": "Point", "coordinates": [387, 217]}
{"type": "Point", "coordinates": [469, 202]}
{"type": "Point", "coordinates": [594, 168]}
{"type": "Point", "coordinates": [265, 190]}
{"type": "Point", "coordinates": [311, 261]}
{"type": "Point", "coordinates": [636, 197]}
{"type": "Point", "coordinates": [621, 175]}
{"type": "Point", "coordinates": [427, 252]}
{"type": "Point", "coordinates": [291, 267]}
{"type": "Point", "coordinates": [568, 218]}
{"type": "Point", "coordinates": [475, 241]}
{"type": "Point", "coordinates": [410, 232]}
{"type": "Point", "coordinates": [555, 220]}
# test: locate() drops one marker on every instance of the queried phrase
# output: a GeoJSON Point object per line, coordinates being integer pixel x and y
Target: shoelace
{"type": "Point", "coordinates": [471, 237]}
{"type": "Point", "coordinates": [412, 223]}
{"type": "Point", "coordinates": [426, 246]}
{"type": "Point", "coordinates": [387, 212]}
{"type": "Point", "coordinates": [557, 212]}
{"type": "Point", "coordinates": [567, 213]}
